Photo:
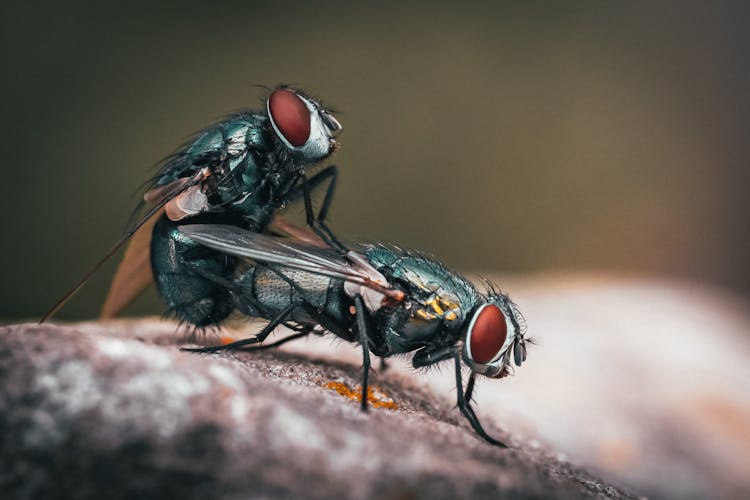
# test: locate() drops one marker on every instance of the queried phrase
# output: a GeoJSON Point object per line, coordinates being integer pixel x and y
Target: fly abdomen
{"type": "Point", "coordinates": [265, 292]}
{"type": "Point", "coordinates": [188, 276]}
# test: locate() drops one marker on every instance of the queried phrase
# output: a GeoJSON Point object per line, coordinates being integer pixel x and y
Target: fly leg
{"type": "Point", "coordinates": [273, 345]}
{"type": "Point", "coordinates": [258, 338]}
{"type": "Point", "coordinates": [326, 321]}
{"type": "Point", "coordinates": [317, 222]}
{"type": "Point", "coordinates": [334, 327]}
{"type": "Point", "coordinates": [470, 388]}
{"type": "Point", "coordinates": [426, 356]}
{"type": "Point", "coordinates": [332, 173]}
{"type": "Point", "coordinates": [467, 410]}
{"type": "Point", "coordinates": [345, 333]}
{"type": "Point", "coordinates": [364, 340]}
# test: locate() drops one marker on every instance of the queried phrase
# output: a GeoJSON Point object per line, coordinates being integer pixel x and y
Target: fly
{"type": "Point", "coordinates": [238, 171]}
{"type": "Point", "coordinates": [388, 300]}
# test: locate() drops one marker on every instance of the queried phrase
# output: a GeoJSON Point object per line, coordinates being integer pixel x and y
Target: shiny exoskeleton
{"type": "Point", "coordinates": [238, 171]}
{"type": "Point", "coordinates": [242, 170]}
{"type": "Point", "coordinates": [388, 300]}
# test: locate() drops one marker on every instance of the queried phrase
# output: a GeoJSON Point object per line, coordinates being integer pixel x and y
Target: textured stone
{"type": "Point", "coordinates": [116, 410]}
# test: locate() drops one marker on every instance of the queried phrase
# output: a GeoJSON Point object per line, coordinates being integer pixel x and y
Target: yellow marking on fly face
{"type": "Point", "coordinates": [450, 316]}
{"type": "Point", "coordinates": [375, 396]}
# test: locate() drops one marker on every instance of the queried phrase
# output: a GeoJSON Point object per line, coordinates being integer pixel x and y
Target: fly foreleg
{"type": "Point", "coordinates": [467, 410]}
{"type": "Point", "coordinates": [332, 173]}
{"type": "Point", "coordinates": [470, 388]}
{"type": "Point", "coordinates": [318, 222]}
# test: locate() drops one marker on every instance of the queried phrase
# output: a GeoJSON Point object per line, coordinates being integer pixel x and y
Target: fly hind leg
{"type": "Point", "coordinates": [190, 296]}
{"type": "Point", "coordinates": [257, 339]}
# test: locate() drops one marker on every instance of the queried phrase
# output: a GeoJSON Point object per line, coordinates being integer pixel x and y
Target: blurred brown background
{"type": "Point", "coordinates": [514, 137]}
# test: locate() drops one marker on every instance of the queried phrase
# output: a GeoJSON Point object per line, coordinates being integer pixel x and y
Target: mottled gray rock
{"type": "Point", "coordinates": [115, 410]}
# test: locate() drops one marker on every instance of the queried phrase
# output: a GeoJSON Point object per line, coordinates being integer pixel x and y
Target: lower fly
{"type": "Point", "coordinates": [387, 300]}
{"type": "Point", "coordinates": [241, 170]}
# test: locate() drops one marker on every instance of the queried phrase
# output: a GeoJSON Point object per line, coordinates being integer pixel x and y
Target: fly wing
{"type": "Point", "coordinates": [282, 227]}
{"type": "Point", "coordinates": [174, 190]}
{"type": "Point", "coordinates": [134, 272]}
{"type": "Point", "coordinates": [290, 253]}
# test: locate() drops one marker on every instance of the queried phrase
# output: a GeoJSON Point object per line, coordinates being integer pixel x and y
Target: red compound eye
{"type": "Point", "coordinates": [291, 116]}
{"type": "Point", "coordinates": [488, 334]}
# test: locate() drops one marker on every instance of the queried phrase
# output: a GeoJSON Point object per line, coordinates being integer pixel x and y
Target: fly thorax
{"type": "Point", "coordinates": [235, 142]}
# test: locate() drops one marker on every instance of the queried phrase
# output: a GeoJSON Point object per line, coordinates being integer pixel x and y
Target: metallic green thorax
{"type": "Point", "coordinates": [439, 300]}
{"type": "Point", "coordinates": [250, 173]}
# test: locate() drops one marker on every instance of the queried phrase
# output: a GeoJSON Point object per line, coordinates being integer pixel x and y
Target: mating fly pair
{"type": "Point", "coordinates": [211, 254]}
{"type": "Point", "coordinates": [239, 171]}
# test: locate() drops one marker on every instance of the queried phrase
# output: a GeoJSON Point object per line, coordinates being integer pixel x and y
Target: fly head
{"type": "Point", "coordinates": [304, 127]}
{"type": "Point", "coordinates": [493, 334]}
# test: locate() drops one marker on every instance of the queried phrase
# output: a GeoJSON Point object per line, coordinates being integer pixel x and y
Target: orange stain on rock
{"type": "Point", "coordinates": [375, 397]}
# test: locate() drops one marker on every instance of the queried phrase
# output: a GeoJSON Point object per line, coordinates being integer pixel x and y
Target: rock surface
{"type": "Point", "coordinates": [115, 410]}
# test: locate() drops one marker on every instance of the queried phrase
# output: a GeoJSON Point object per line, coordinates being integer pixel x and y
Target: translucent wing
{"type": "Point", "coordinates": [282, 227]}
{"type": "Point", "coordinates": [290, 253]}
{"type": "Point", "coordinates": [178, 189]}
{"type": "Point", "coordinates": [173, 191]}
{"type": "Point", "coordinates": [134, 272]}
